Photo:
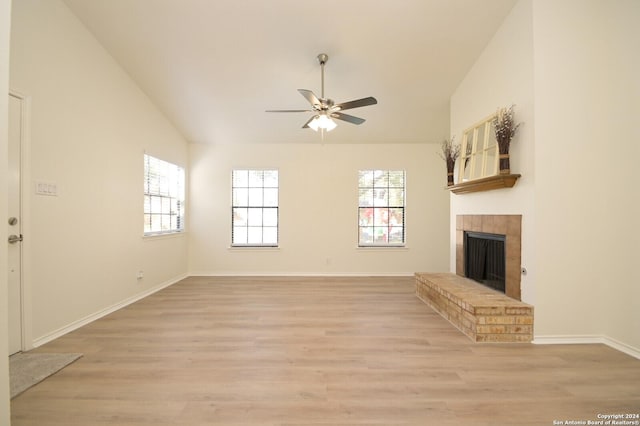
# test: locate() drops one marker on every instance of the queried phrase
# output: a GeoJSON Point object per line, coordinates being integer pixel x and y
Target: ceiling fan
{"type": "Point", "coordinates": [324, 109]}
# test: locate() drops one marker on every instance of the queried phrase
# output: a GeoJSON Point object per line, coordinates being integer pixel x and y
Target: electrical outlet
{"type": "Point", "coordinates": [140, 275]}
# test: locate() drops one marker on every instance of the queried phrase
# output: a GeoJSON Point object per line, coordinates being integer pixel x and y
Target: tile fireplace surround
{"type": "Point", "coordinates": [508, 225]}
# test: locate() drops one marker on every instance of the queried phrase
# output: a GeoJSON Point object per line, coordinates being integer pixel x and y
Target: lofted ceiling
{"type": "Point", "coordinates": [213, 67]}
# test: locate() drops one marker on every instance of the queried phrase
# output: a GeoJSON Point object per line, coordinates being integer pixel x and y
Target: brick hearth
{"type": "Point", "coordinates": [483, 314]}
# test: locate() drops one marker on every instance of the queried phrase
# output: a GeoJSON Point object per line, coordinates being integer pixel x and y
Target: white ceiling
{"type": "Point", "coordinates": [213, 67]}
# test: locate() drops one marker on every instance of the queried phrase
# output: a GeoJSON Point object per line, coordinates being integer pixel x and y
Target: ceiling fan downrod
{"type": "Point", "coordinates": [322, 58]}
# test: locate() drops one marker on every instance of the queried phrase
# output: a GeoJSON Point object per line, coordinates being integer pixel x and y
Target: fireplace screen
{"type": "Point", "coordinates": [484, 256]}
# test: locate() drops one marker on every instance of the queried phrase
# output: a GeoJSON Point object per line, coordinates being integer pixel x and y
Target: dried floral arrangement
{"type": "Point", "coordinates": [505, 128]}
{"type": "Point", "coordinates": [450, 153]}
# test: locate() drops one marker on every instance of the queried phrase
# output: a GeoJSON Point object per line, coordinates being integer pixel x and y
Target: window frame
{"type": "Point", "coordinates": [173, 194]}
{"type": "Point", "coordinates": [479, 156]}
{"type": "Point", "coordinates": [389, 206]}
{"type": "Point", "coordinates": [249, 207]}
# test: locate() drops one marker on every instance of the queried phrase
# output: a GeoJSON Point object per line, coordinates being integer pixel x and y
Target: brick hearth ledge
{"type": "Point", "coordinates": [483, 314]}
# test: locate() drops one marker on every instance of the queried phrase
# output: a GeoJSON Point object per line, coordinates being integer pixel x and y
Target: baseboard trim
{"type": "Point", "coordinates": [106, 311]}
{"type": "Point", "coordinates": [297, 274]}
{"type": "Point", "coordinates": [586, 340]}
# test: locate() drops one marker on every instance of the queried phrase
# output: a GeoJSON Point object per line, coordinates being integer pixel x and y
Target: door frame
{"type": "Point", "coordinates": [25, 204]}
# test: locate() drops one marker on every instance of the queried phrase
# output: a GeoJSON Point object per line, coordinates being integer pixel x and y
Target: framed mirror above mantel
{"type": "Point", "coordinates": [480, 160]}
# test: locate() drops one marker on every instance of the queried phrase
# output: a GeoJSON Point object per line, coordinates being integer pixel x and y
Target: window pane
{"type": "Point", "coordinates": [396, 235]}
{"type": "Point", "coordinates": [271, 197]}
{"type": "Point", "coordinates": [255, 217]}
{"type": "Point", "coordinates": [366, 217]}
{"type": "Point", "coordinates": [254, 235]}
{"type": "Point", "coordinates": [380, 234]}
{"type": "Point", "coordinates": [381, 197]}
{"type": "Point", "coordinates": [270, 217]}
{"type": "Point", "coordinates": [156, 204]}
{"type": "Point", "coordinates": [365, 198]}
{"type": "Point", "coordinates": [396, 179]}
{"type": "Point", "coordinates": [256, 178]}
{"type": "Point", "coordinates": [240, 217]}
{"type": "Point", "coordinates": [270, 235]}
{"type": "Point", "coordinates": [381, 178]}
{"type": "Point", "coordinates": [156, 223]}
{"type": "Point", "coordinates": [239, 235]}
{"type": "Point", "coordinates": [366, 235]}
{"type": "Point", "coordinates": [240, 197]}
{"type": "Point", "coordinates": [147, 204]}
{"type": "Point", "coordinates": [255, 197]}
{"type": "Point", "coordinates": [365, 178]}
{"type": "Point", "coordinates": [396, 217]}
{"type": "Point", "coordinates": [396, 197]}
{"type": "Point", "coordinates": [241, 178]}
{"type": "Point", "coordinates": [166, 205]}
{"type": "Point", "coordinates": [381, 216]}
{"type": "Point", "coordinates": [271, 178]}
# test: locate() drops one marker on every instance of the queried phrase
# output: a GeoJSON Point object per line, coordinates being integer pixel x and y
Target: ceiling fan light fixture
{"type": "Point", "coordinates": [322, 121]}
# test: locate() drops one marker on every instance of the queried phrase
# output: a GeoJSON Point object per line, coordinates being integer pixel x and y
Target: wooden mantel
{"type": "Point", "coordinates": [485, 184]}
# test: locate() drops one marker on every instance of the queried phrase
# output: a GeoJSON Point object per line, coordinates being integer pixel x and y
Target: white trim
{"type": "Point", "coordinates": [301, 274]}
{"type": "Point", "coordinates": [106, 311]}
{"type": "Point", "coordinates": [253, 248]}
{"type": "Point", "coordinates": [25, 212]}
{"type": "Point", "coordinates": [373, 248]}
{"type": "Point", "coordinates": [587, 340]}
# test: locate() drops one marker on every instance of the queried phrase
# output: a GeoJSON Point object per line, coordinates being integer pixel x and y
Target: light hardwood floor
{"type": "Point", "coordinates": [314, 351]}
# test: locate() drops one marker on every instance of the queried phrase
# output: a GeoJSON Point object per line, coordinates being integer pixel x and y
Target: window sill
{"type": "Point", "coordinates": [381, 248]}
{"type": "Point", "coordinates": [154, 237]}
{"type": "Point", "coordinates": [484, 184]}
{"type": "Point", "coordinates": [253, 248]}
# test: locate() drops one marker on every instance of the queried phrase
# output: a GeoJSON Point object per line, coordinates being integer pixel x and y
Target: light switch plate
{"type": "Point", "coordinates": [47, 188]}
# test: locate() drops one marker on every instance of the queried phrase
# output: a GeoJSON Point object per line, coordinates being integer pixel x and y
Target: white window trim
{"type": "Point", "coordinates": [171, 232]}
{"type": "Point", "coordinates": [259, 247]}
{"type": "Point", "coordinates": [382, 246]}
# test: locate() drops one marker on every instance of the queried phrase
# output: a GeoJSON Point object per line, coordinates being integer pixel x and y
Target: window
{"type": "Point", "coordinates": [254, 215]}
{"type": "Point", "coordinates": [479, 151]}
{"type": "Point", "coordinates": [163, 197]}
{"type": "Point", "coordinates": [381, 207]}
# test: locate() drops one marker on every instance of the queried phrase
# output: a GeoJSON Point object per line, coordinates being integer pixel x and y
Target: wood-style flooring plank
{"type": "Point", "coordinates": [314, 351]}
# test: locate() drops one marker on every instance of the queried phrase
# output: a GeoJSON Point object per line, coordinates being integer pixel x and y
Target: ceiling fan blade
{"type": "Point", "coordinates": [347, 117]}
{"type": "Point", "coordinates": [289, 110]}
{"type": "Point", "coordinates": [355, 104]}
{"type": "Point", "coordinates": [308, 95]}
{"type": "Point", "coordinates": [306, 125]}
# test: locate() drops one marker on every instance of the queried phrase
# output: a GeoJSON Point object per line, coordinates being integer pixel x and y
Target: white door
{"type": "Point", "coordinates": [14, 224]}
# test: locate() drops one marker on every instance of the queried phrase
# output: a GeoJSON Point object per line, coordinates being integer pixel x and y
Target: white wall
{"type": "Point", "coordinates": [318, 209]}
{"type": "Point", "coordinates": [587, 68]}
{"type": "Point", "coordinates": [571, 67]}
{"type": "Point", "coordinates": [5, 21]}
{"type": "Point", "coordinates": [89, 126]}
{"type": "Point", "coordinates": [503, 75]}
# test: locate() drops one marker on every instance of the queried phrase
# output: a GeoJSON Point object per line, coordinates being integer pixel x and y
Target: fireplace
{"type": "Point", "coordinates": [484, 259]}
{"type": "Point", "coordinates": [507, 225]}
